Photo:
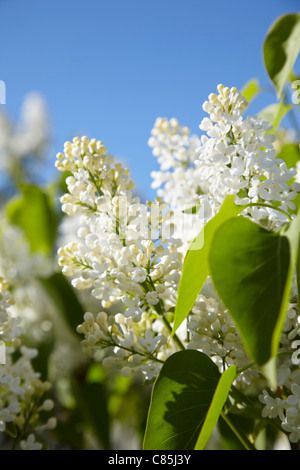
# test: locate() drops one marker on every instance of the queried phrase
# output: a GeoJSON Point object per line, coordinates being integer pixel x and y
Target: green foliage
{"type": "Point", "coordinates": [251, 90]}
{"type": "Point", "coordinates": [93, 400]}
{"type": "Point", "coordinates": [216, 407]}
{"type": "Point", "coordinates": [232, 428]}
{"type": "Point", "coordinates": [33, 212]}
{"type": "Point", "coordinates": [293, 235]}
{"type": "Point", "coordinates": [250, 270]}
{"type": "Point", "coordinates": [290, 154]}
{"type": "Point", "coordinates": [180, 400]}
{"type": "Point", "coordinates": [281, 48]}
{"type": "Point", "coordinates": [65, 299]}
{"type": "Point", "coordinates": [274, 113]}
{"type": "Point", "coordinates": [196, 268]}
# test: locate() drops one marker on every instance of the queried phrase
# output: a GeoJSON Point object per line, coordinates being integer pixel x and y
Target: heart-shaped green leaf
{"type": "Point", "coordinates": [250, 268]}
{"type": "Point", "coordinates": [195, 268]}
{"type": "Point", "coordinates": [181, 397]}
{"type": "Point", "coordinates": [281, 48]}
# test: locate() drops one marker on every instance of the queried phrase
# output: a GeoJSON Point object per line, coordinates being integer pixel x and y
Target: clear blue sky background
{"type": "Point", "coordinates": [109, 68]}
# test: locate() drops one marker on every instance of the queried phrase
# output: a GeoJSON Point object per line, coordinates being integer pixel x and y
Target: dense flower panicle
{"type": "Point", "coordinates": [178, 181]}
{"type": "Point", "coordinates": [236, 156]}
{"type": "Point", "coordinates": [120, 260]}
{"type": "Point", "coordinates": [21, 390]}
{"type": "Point", "coordinates": [121, 342]}
{"type": "Point", "coordinates": [285, 404]}
{"type": "Point", "coordinates": [113, 253]}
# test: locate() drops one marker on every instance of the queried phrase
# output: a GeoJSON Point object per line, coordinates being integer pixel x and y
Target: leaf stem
{"type": "Point", "coordinates": [246, 443]}
{"type": "Point", "coordinates": [159, 310]}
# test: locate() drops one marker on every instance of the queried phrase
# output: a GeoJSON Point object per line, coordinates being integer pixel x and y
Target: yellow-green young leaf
{"type": "Point", "coordinates": [274, 113]}
{"type": "Point", "coordinates": [290, 154]}
{"type": "Point", "coordinates": [181, 397]}
{"type": "Point", "coordinates": [32, 211]}
{"type": "Point", "coordinates": [216, 406]}
{"type": "Point", "coordinates": [281, 48]}
{"type": "Point", "coordinates": [251, 271]}
{"type": "Point", "coordinates": [251, 89]}
{"type": "Point", "coordinates": [195, 268]}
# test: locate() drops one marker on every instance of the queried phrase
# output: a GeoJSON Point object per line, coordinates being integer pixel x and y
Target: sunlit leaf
{"type": "Point", "coordinates": [195, 267]}
{"type": "Point", "coordinates": [32, 211]}
{"type": "Point", "coordinates": [274, 113]}
{"type": "Point", "coordinates": [290, 154]}
{"type": "Point", "coordinates": [216, 406]}
{"type": "Point", "coordinates": [251, 89]}
{"type": "Point", "coordinates": [250, 269]}
{"type": "Point", "coordinates": [281, 48]}
{"type": "Point", "coordinates": [180, 400]}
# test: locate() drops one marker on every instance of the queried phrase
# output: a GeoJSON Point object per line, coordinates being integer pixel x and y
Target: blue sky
{"type": "Point", "coordinates": [108, 69]}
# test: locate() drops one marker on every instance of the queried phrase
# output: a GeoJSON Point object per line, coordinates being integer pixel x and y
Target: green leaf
{"type": "Point", "coordinates": [215, 409]}
{"type": "Point", "coordinates": [181, 397]}
{"type": "Point", "coordinates": [65, 298]}
{"type": "Point", "coordinates": [93, 403]}
{"type": "Point", "coordinates": [11, 429]}
{"type": "Point", "coordinates": [293, 235]}
{"type": "Point", "coordinates": [290, 154]}
{"type": "Point", "coordinates": [281, 48]}
{"type": "Point", "coordinates": [274, 113]}
{"type": "Point", "coordinates": [298, 275]}
{"type": "Point", "coordinates": [195, 268]}
{"type": "Point", "coordinates": [251, 89]}
{"type": "Point", "coordinates": [250, 269]}
{"type": "Point", "coordinates": [33, 213]}
{"type": "Point", "coordinates": [243, 426]}
{"type": "Point", "coordinates": [42, 361]}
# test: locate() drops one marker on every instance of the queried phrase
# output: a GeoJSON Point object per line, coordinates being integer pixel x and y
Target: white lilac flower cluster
{"type": "Point", "coordinates": [236, 156]}
{"type": "Point", "coordinates": [178, 182]}
{"type": "Point", "coordinates": [22, 402]}
{"type": "Point", "coordinates": [22, 269]}
{"type": "Point", "coordinates": [285, 403]}
{"type": "Point", "coordinates": [116, 258]}
{"type": "Point", "coordinates": [120, 264]}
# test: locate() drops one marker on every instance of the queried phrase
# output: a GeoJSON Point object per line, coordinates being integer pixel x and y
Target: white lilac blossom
{"type": "Point", "coordinates": [21, 389]}
{"type": "Point", "coordinates": [236, 156]}
{"type": "Point", "coordinates": [113, 254]}
{"type": "Point", "coordinates": [128, 261]}
{"type": "Point", "coordinates": [33, 306]}
{"type": "Point", "coordinates": [21, 268]}
{"type": "Point", "coordinates": [178, 182]}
